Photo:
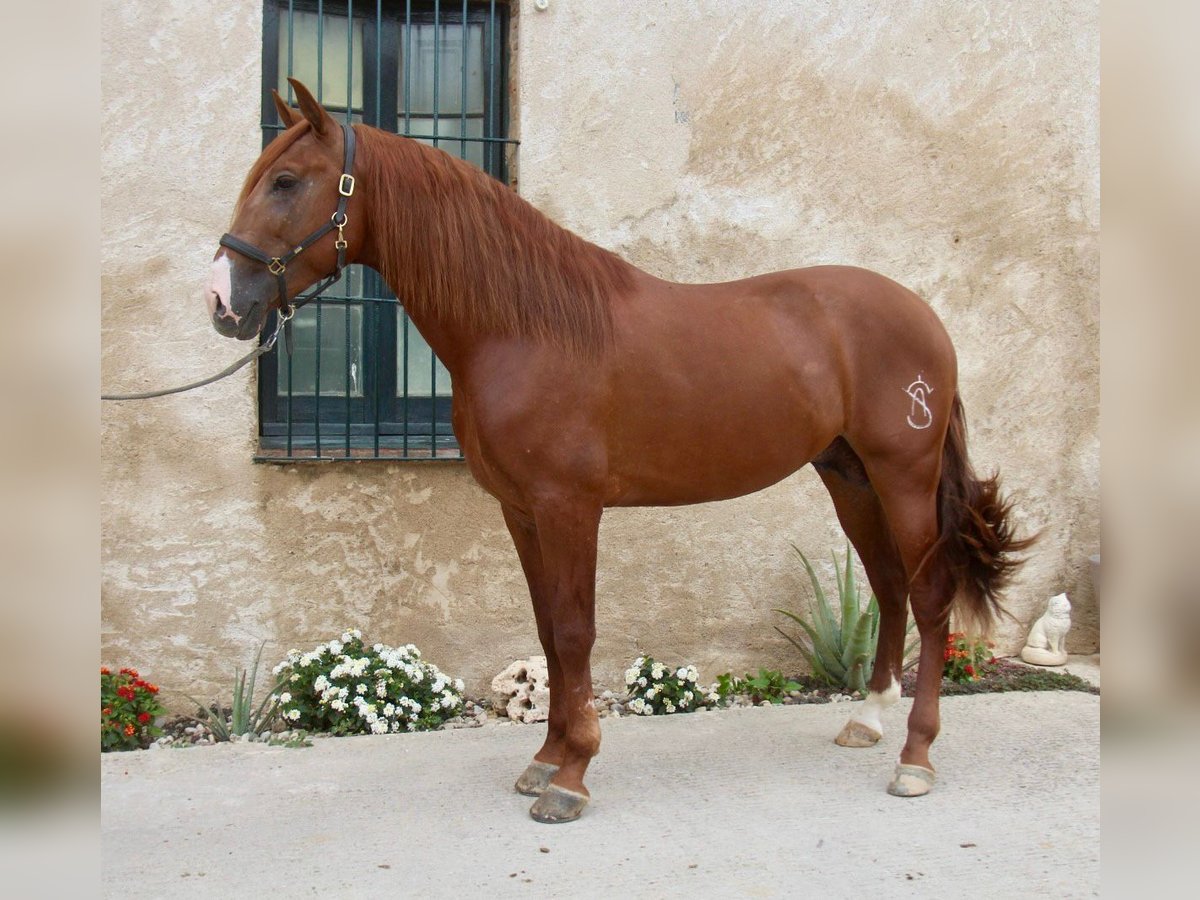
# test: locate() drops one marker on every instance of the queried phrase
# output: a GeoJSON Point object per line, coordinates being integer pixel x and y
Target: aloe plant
{"type": "Point", "coordinates": [840, 649]}
{"type": "Point", "coordinates": [244, 718]}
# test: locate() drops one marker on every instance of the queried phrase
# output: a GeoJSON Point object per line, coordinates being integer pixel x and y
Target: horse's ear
{"type": "Point", "coordinates": [287, 115]}
{"type": "Point", "coordinates": [322, 122]}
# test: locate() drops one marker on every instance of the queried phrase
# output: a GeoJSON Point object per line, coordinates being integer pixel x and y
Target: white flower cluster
{"type": "Point", "coordinates": [387, 689]}
{"type": "Point", "coordinates": [655, 688]}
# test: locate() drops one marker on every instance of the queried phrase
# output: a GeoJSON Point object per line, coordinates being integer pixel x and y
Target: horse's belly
{"type": "Point", "coordinates": [736, 455]}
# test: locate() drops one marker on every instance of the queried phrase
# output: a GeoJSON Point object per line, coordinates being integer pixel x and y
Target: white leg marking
{"type": "Point", "coordinates": [870, 713]}
{"type": "Point", "coordinates": [220, 288]}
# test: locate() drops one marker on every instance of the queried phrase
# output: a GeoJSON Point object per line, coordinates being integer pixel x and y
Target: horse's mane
{"type": "Point", "coordinates": [456, 244]}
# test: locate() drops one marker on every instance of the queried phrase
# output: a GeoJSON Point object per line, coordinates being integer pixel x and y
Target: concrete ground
{"type": "Point", "coordinates": [736, 803]}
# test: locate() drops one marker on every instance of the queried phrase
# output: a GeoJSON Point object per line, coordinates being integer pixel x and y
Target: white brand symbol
{"type": "Point", "coordinates": [919, 415]}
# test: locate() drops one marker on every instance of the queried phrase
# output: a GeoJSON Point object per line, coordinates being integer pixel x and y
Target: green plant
{"type": "Point", "coordinates": [966, 658]}
{"type": "Point", "coordinates": [768, 685]}
{"type": "Point", "coordinates": [244, 717]}
{"type": "Point", "coordinates": [128, 705]}
{"type": "Point", "coordinates": [343, 687]}
{"type": "Point", "coordinates": [656, 689]}
{"type": "Point", "coordinates": [841, 649]}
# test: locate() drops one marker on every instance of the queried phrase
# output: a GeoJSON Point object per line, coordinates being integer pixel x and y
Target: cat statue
{"type": "Point", "coordinates": [1047, 641]}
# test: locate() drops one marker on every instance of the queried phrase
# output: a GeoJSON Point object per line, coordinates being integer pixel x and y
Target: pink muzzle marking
{"type": "Point", "coordinates": [220, 290]}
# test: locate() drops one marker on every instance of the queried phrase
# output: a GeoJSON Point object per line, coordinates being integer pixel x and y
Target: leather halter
{"type": "Point", "coordinates": [277, 265]}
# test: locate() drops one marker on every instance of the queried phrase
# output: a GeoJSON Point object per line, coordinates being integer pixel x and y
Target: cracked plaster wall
{"type": "Point", "coordinates": [952, 146]}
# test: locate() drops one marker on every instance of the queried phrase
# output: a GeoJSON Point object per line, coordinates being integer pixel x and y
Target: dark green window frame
{"type": "Point", "coordinates": [371, 405]}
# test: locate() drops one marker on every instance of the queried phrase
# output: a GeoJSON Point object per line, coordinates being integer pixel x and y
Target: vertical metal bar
{"type": "Point", "coordinates": [462, 83]}
{"type": "Point", "coordinates": [404, 328]}
{"type": "Point", "coordinates": [319, 304]}
{"type": "Point", "coordinates": [289, 400]}
{"type": "Point", "coordinates": [407, 71]}
{"type": "Point", "coordinates": [291, 44]}
{"type": "Point", "coordinates": [376, 381]}
{"type": "Point", "coordinates": [437, 47]}
{"type": "Point", "coordinates": [320, 49]}
{"type": "Point", "coordinates": [492, 148]}
{"type": "Point", "coordinates": [346, 311]}
{"type": "Point", "coordinates": [371, 360]}
{"type": "Point", "coordinates": [378, 83]}
{"type": "Point", "coordinates": [433, 361]}
{"type": "Point", "coordinates": [349, 121]}
{"type": "Point", "coordinates": [403, 317]}
{"type": "Point", "coordinates": [437, 84]}
{"type": "Point", "coordinates": [350, 64]}
{"type": "Point", "coordinates": [317, 377]}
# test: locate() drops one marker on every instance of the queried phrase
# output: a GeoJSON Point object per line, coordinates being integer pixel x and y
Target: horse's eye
{"type": "Point", "coordinates": [285, 182]}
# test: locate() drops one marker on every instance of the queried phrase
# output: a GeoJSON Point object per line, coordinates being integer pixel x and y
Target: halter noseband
{"type": "Point", "coordinates": [277, 265]}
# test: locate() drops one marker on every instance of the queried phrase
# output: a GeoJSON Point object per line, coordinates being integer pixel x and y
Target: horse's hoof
{"type": "Point", "coordinates": [535, 778]}
{"type": "Point", "coordinates": [911, 781]}
{"type": "Point", "coordinates": [856, 734]}
{"type": "Point", "coordinates": [557, 805]}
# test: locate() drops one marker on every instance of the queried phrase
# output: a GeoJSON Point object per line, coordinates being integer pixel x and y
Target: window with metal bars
{"type": "Point", "coordinates": [360, 382]}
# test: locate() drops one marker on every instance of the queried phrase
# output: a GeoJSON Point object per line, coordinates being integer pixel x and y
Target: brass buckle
{"type": "Point", "coordinates": [276, 266]}
{"type": "Point", "coordinates": [346, 185]}
{"type": "Point", "coordinates": [340, 243]}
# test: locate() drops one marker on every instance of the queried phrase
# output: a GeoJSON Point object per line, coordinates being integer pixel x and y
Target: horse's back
{"type": "Point", "coordinates": [723, 389]}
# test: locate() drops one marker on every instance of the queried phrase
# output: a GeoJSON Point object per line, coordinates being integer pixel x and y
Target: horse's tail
{"type": "Point", "coordinates": [977, 544]}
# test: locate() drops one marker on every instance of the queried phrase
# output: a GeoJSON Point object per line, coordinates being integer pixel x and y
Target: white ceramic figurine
{"type": "Point", "coordinates": [1047, 641]}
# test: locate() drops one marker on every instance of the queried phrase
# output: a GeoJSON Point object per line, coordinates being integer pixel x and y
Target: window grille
{"type": "Point", "coordinates": [361, 383]}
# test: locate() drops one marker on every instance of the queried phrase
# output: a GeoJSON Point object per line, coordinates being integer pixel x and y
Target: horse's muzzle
{"type": "Point", "coordinates": [243, 328]}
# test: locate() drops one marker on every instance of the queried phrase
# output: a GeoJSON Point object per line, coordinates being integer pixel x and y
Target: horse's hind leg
{"type": "Point", "coordinates": [908, 493]}
{"type": "Point", "coordinates": [863, 519]}
{"type": "Point", "coordinates": [548, 759]}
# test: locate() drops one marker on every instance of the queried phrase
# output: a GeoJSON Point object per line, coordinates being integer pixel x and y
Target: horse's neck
{"type": "Point", "coordinates": [471, 260]}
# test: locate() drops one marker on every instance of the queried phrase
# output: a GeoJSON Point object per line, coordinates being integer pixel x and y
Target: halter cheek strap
{"type": "Point", "coordinates": [277, 265]}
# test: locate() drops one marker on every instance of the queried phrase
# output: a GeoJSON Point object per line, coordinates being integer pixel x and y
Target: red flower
{"type": "Point", "coordinates": [152, 688]}
{"type": "Point", "coordinates": [970, 670]}
{"type": "Point", "coordinates": [144, 717]}
{"type": "Point", "coordinates": [132, 673]}
{"type": "Point", "coordinates": [993, 661]}
{"type": "Point", "coordinates": [104, 670]}
{"type": "Point", "coordinates": [126, 692]}
{"type": "Point", "coordinates": [107, 711]}
{"type": "Point", "coordinates": [129, 730]}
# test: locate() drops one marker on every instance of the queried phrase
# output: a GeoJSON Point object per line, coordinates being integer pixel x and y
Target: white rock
{"type": "Point", "coordinates": [523, 690]}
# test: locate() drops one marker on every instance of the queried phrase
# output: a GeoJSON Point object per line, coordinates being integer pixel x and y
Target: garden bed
{"type": "Point", "coordinates": [1002, 676]}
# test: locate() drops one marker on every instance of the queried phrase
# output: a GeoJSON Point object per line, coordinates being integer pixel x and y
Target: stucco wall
{"type": "Point", "coordinates": [952, 146]}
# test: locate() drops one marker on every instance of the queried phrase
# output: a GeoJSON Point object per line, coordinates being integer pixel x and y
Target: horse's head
{"type": "Point", "coordinates": [295, 222]}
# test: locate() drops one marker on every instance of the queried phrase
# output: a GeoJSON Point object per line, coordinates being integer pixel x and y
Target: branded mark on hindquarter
{"type": "Point", "coordinates": [919, 415]}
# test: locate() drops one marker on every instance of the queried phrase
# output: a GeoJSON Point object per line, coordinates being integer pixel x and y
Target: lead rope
{"type": "Point", "coordinates": [284, 317]}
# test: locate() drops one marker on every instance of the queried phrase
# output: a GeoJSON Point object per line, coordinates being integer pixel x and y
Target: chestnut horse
{"type": "Point", "coordinates": [581, 382]}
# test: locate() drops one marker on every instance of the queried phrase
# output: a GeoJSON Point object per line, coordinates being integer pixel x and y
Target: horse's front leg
{"type": "Point", "coordinates": [567, 530]}
{"type": "Point", "coordinates": [548, 759]}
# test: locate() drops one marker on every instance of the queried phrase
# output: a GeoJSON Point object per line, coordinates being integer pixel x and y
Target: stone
{"type": "Point", "coordinates": [522, 691]}
{"type": "Point", "coordinates": [1047, 641]}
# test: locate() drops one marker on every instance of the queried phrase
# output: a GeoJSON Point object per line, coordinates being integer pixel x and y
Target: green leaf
{"type": "Point", "coordinates": [848, 594]}
{"type": "Point", "coordinates": [821, 645]}
{"type": "Point", "coordinates": [858, 645]}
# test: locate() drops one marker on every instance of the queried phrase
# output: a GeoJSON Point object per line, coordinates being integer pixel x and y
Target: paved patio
{"type": "Point", "coordinates": [737, 803]}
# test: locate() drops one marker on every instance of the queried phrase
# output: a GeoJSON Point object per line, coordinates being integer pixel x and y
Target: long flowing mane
{"type": "Point", "coordinates": [458, 245]}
